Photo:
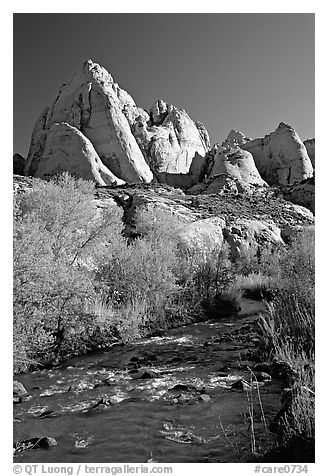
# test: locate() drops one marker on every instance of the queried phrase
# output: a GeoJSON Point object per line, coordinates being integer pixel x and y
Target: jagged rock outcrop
{"type": "Point", "coordinates": [280, 157]}
{"type": "Point", "coordinates": [18, 164]}
{"type": "Point", "coordinates": [68, 150]}
{"type": "Point", "coordinates": [310, 148]}
{"type": "Point", "coordinates": [95, 105]}
{"type": "Point", "coordinates": [173, 144]}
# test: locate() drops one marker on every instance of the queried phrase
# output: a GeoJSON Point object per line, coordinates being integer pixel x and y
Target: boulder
{"type": "Point", "coordinates": [203, 235]}
{"type": "Point", "coordinates": [252, 236]}
{"type": "Point", "coordinates": [310, 148]}
{"type": "Point", "coordinates": [241, 385]}
{"type": "Point", "coordinates": [18, 389]}
{"type": "Point", "coordinates": [35, 443]}
{"type": "Point", "coordinates": [67, 149]}
{"type": "Point", "coordinates": [290, 232]}
{"type": "Point", "coordinates": [95, 105]}
{"type": "Point", "coordinates": [280, 157]}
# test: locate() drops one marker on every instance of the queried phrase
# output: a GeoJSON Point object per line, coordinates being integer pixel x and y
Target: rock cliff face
{"type": "Point", "coordinates": [67, 149]}
{"type": "Point", "coordinates": [280, 157]}
{"type": "Point", "coordinates": [95, 105]}
{"type": "Point", "coordinates": [310, 148]}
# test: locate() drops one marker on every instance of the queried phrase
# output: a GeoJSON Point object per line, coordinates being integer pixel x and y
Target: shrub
{"type": "Point", "coordinates": [57, 234]}
{"type": "Point", "coordinates": [289, 330]}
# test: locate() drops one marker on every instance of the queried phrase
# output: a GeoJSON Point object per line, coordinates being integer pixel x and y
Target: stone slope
{"type": "Point", "coordinates": [280, 157]}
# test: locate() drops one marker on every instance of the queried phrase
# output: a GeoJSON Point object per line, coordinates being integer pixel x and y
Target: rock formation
{"type": "Point", "coordinates": [131, 143]}
{"type": "Point", "coordinates": [310, 148]}
{"type": "Point", "coordinates": [67, 149]}
{"type": "Point", "coordinates": [280, 157]}
{"type": "Point", "coordinates": [172, 143]}
{"type": "Point", "coordinates": [238, 163]}
{"type": "Point", "coordinates": [95, 105]}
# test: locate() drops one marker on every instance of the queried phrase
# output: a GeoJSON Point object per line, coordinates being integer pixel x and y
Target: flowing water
{"type": "Point", "coordinates": [200, 420]}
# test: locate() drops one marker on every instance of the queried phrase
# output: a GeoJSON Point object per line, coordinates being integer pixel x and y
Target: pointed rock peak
{"type": "Point", "coordinates": [95, 72]}
{"type": "Point", "coordinates": [237, 136]}
{"type": "Point", "coordinates": [284, 125]}
{"type": "Point", "coordinates": [234, 140]}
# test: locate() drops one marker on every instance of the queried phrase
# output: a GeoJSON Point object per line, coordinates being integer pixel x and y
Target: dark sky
{"type": "Point", "coordinates": [229, 71]}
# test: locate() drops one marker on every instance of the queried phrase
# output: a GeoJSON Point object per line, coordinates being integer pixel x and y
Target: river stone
{"type": "Point", "coordinates": [18, 388]}
{"type": "Point", "coordinates": [144, 374]}
{"type": "Point", "coordinates": [181, 387]}
{"type": "Point", "coordinates": [204, 398]}
{"type": "Point", "coordinates": [261, 376]}
{"type": "Point", "coordinates": [241, 385]}
{"type": "Point", "coordinates": [47, 414]}
{"type": "Point", "coordinates": [35, 443]}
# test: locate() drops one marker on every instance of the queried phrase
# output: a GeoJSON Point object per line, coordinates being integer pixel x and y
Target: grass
{"type": "Point", "coordinates": [288, 328]}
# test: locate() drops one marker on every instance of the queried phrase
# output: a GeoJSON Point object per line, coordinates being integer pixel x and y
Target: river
{"type": "Point", "coordinates": [183, 410]}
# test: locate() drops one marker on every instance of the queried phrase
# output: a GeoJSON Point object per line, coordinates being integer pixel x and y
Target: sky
{"type": "Point", "coordinates": [229, 71]}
